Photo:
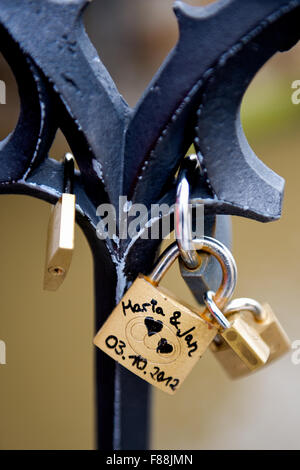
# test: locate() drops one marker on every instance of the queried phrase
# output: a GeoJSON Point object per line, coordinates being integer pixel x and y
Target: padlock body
{"type": "Point", "coordinates": [270, 331]}
{"type": "Point", "coordinates": [60, 242]}
{"type": "Point", "coordinates": [155, 336]}
{"type": "Point", "coordinates": [246, 343]}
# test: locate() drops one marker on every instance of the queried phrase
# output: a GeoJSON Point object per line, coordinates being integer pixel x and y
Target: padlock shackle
{"type": "Point", "coordinates": [245, 304]}
{"type": "Point", "coordinates": [215, 311]}
{"type": "Point", "coordinates": [69, 165]}
{"type": "Point", "coordinates": [214, 248]}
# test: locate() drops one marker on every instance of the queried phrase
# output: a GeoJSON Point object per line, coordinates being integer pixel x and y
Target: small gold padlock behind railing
{"type": "Point", "coordinates": [155, 335]}
{"type": "Point", "coordinates": [61, 230]}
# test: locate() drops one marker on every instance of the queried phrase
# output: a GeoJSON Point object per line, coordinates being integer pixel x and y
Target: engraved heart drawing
{"type": "Point", "coordinates": [153, 339]}
{"type": "Point", "coordinates": [153, 326]}
{"type": "Point", "coordinates": [164, 347]}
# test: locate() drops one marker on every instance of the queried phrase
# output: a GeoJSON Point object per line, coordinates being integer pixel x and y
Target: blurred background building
{"type": "Point", "coordinates": [46, 388]}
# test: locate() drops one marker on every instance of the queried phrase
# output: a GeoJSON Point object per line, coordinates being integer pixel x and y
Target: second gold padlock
{"type": "Point", "coordinates": [263, 320]}
{"type": "Point", "coordinates": [242, 339]}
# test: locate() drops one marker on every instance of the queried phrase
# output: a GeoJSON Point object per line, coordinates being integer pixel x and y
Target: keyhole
{"type": "Point", "coordinates": [56, 271]}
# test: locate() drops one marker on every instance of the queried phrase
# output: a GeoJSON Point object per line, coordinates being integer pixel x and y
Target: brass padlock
{"type": "Point", "coordinates": [242, 339]}
{"type": "Point", "coordinates": [61, 229]}
{"type": "Point", "coordinates": [264, 321]}
{"type": "Point", "coordinates": [155, 335]}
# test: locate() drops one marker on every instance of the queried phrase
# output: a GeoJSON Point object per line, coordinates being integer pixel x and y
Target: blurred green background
{"type": "Point", "coordinates": [46, 388]}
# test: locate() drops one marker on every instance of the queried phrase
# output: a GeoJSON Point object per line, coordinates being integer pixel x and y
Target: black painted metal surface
{"type": "Point", "coordinates": [194, 97]}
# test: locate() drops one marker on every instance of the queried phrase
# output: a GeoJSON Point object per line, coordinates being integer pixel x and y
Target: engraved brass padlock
{"type": "Point", "coordinates": [155, 335]}
{"type": "Point", "coordinates": [241, 338]}
{"type": "Point", "coordinates": [263, 320]}
{"type": "Point", "coordinates": [61, 228]}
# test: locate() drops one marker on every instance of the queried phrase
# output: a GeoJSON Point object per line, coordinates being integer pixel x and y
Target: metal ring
{"type": "Point", "coordinates": [245, 304]}
{"type": "Point", "coordinates": [214, 310]}
{"type": "Point", "coordinates": [208, 245]}
{"type": "Point", "coordinates": [183, 220]}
